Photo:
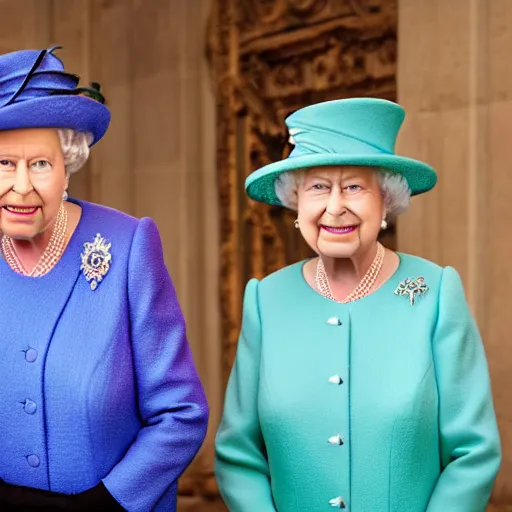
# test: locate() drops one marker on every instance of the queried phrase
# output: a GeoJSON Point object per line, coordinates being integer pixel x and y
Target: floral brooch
{"type": "Point", "coordinates": [96, 259]}
{"type": "Point", "coordinates": [412, 288]}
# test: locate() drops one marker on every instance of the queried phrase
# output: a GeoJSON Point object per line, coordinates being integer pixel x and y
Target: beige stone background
{"type": "Point", "coordinates": [455, 82]}
{"type": "Point", "coordinates": [158, 159]}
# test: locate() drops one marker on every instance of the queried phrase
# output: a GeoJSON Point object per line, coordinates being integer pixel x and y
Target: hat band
{"type": "Point", "coordinates": [41, 84]}
{"type": "Point", "coordinates": [334, 143]}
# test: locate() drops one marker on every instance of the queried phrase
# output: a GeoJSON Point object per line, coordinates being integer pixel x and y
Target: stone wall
{"type": "Point", "coordinates": [455, 81]}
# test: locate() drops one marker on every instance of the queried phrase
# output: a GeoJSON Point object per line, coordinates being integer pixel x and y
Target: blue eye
{"type": "Point", "coordinates": [6, 165]}
{"type": "Point", "coordinates": [353, 188]}
{"type": "Point", "coordinates": [41, 165]}
{"type": "Point", "coordinates": [319, 186]}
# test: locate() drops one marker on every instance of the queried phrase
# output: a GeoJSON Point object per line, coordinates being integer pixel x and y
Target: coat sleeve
{"type": "Point", "coordinates": [241, 466]}
{"type": "Point", "coordinates": [469, 439]}
{"type": "Point", "coordinates": [171, 400]}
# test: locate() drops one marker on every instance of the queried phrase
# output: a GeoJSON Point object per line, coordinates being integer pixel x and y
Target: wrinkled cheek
{"type": "Point", "coordinates": [5, 186]}
{"type": "Point", "coordinates": [46, 218]}
{"type": "Point", "coordinates": [310, 235]}
{"type": "Point", "coordinates": [369, 232]}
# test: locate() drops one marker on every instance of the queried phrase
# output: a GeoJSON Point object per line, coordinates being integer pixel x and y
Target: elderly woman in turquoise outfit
{"type": "Point", "coordinates": [102, 408]}
{"type": "Point", "coordinates": [360, 380]}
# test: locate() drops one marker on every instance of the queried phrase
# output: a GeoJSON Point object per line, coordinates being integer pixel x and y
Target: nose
{"type": "Point", "coordinates": [335, 204]}
{"type": "Point", "coordinates": [22, 184]}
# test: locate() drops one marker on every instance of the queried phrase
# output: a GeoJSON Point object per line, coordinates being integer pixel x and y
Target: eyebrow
{"type": "Point", "coordinates": [344, 177]}
{"type": "Point", "coordinates": [350, 176]}
{"type": "Point", "coordinates": [316, 176]}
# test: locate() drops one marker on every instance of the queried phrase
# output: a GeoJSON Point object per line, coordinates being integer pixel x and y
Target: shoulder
{"type": "Point", "coordinates": [105, 216]}
{"type": "Point", "coordinates": [285, 277]}
{"type": "Point", "coordinates": [271, 292]}
{"type": "Point", "coordinates": [119, 224]}
{"type": "Point", "coordinates": [283, 286]}
{"type": "Point", "coordinates": [443, 281]}
{"type": "Point", "coordinates": [413, 267]}
{"type": "Point", "coordinates": [416, 264]}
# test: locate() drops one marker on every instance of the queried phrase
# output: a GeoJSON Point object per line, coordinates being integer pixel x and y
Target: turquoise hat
{"type": "Point", "coordinates": [356, 131]}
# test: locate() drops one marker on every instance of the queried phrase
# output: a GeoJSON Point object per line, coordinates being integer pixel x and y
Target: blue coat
{"type": "Point", "coordinates": [372, 406]}
{"type": "Point", "coordinates": [99, 385]}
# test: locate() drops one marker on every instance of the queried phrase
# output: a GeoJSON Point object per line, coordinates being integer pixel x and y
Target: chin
{"type": "Point", "coordinates": [338, 250]}
{"type": "Point", "coordinates": [19, 234]}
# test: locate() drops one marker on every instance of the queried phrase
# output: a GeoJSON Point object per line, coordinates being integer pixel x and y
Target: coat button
{"type": "Point", "coordinates": [334, 320]}
{"type": "Point", "coordinates": [337, 502]}
{"type": "Point", "coordinates": [30, 355]}
{"type": "Point", "coordinates": [336, 379]}
{"type": "Point", "coordinates": [29, 406]}
{"type": "Point", "coordinates": [335, 440]}
{"type": "Point", "coordinates": [33, 460]}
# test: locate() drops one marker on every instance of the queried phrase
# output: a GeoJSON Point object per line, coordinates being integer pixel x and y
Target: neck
{"type": "Point", "coordinates": [340, 270]}
{"type": "Point", "coordinates": [29, 252]}
{"type": "Point", "coordinates": [345, 274]}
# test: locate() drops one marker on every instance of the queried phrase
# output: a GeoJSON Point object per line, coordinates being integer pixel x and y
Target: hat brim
{"type": "Point", "coordinates": [260, 185]}
{"type": "Point", "coordinates": [75, 112]}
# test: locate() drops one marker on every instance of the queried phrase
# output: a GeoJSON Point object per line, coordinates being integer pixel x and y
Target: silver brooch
{"type": "Point", "coordinates": [412, 288]}
{"type": "Point", "coordinates": [96, 260]}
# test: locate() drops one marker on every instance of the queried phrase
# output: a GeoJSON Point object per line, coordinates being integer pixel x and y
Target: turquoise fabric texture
{"type": "Point", "coordinates": [374, 405]}
{"type": "Point", "coordinates": [355, 131]}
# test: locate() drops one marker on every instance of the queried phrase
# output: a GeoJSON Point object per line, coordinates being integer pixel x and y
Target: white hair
{"type": "Point", "coordinates": [395, 190]}
{"type": "Point", "coordinates": [75, 148]}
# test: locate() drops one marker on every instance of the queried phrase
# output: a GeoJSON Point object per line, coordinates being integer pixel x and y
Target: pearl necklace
{"type": "Point", "coordinates": [362, 289]}
{"type": "Point", "coordinates": [51, 254]}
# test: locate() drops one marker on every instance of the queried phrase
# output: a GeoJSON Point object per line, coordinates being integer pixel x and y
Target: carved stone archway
{"type": "Point", "coordinates": [267, 59]}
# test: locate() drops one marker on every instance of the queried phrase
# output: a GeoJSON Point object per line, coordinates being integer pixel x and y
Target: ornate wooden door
{"type": "Point", "coordinates": [267, 59]}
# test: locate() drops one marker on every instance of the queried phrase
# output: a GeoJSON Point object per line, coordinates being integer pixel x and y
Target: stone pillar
{"type": "Point", "coordinates": [456, 86]}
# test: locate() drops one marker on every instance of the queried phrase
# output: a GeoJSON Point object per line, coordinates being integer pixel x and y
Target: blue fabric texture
{"type": "Point", "coordinates": [377, 405]}
{"type": "Point", "coordinates": [99, 385]}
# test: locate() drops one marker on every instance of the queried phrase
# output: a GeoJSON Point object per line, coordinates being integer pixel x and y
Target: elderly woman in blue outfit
{"type": "Point", "coordinates": [360, 380]}
{"type": "Point", "coordinates": [102, 408]}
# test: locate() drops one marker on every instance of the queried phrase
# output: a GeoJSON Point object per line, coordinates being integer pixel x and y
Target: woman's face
{"type": "Point", "coordinates": [32, 181]}
{"type": "Point", "coordinates": [340, 210]}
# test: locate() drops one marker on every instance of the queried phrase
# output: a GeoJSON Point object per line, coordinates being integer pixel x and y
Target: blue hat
{"type": "Point", "coordinates": [356, 131]}
{"type": "Point", "coordinates": [36, 92]}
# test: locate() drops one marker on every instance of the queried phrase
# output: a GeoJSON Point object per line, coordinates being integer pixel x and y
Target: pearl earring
{"type": "Point", "coordinates": [65, 195]}
{"type": "Point", "coordinates": [383, 224]}
{"type": "Point", "coordinates": [296, 223]}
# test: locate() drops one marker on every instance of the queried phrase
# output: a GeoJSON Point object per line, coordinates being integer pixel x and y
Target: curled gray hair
{"type": "Point", "coordinates": [394, 188]}
{"type": "Point", "coordinates": [75, 148]}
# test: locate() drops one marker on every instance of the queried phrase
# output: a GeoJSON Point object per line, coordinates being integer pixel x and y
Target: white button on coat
{"type": "Point", "coordinates": [334, 320]}
{"type": "Point", "coordinates": [336, 379]}
{"type": "Point", "coordinates": [335, 440]}
{"type": "Point", "coordinates": [337, 502]}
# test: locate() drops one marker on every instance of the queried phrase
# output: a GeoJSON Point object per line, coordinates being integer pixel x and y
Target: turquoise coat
{"type": "Point", "coordinates": [373, 406]}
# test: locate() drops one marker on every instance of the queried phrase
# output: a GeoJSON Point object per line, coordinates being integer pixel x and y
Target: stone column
{"type": "Point", "coordinates": [455, 83]}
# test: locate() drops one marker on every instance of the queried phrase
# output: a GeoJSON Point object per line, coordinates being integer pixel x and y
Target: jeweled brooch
{"type": "Point", "coordinates": [412, 288]}
{"type": "Point", "coordinates": [96, 259]}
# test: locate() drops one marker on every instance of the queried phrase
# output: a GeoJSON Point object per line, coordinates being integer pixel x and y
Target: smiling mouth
{"type": "Point", "coordinates": [21, 210]}
{"type": "Point", "coordinates": [343, 230]}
